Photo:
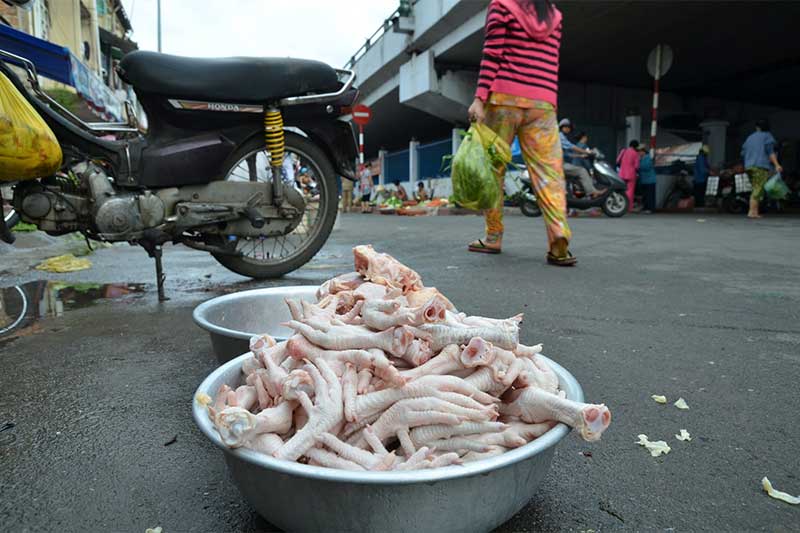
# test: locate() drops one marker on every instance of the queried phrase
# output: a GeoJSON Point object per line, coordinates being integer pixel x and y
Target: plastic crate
{"type": "Point", "coordinates": [742, 183]}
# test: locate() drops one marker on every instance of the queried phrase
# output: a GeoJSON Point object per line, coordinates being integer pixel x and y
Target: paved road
{"type": "Point", "coordinates": [705, 309]}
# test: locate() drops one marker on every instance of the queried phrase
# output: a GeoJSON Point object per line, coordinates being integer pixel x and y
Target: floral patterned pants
{"type": "Point", "coordinates": [758, 178]}
{"type": "Point", "coordinates": [535, 123]}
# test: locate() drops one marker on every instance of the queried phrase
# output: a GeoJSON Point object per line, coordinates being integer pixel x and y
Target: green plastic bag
{"type": "Point", "coordinates": [776, 188]}
{"type": "Point", "coordinates": [475, 184]}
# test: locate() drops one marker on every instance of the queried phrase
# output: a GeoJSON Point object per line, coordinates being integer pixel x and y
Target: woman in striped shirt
{"type": "Point", "coordinates": [517, 96]}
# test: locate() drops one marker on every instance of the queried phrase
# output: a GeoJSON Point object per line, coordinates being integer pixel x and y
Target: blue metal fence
{"type": "Point", "coordinates": [430, 158]}
{"type": "Point", "coordinates": [397, 167]}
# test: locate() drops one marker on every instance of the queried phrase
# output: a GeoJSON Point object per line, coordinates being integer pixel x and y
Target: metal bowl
{"type": "Point", "coordinates": [475, 496]}
{"type": "Point", "coordinates": [232, 319]}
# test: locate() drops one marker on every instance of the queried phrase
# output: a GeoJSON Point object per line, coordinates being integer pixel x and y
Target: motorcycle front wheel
{"type": "Point", "coordinates": [272, 257]}
{"type": "Point", "coordinates": [616, 204]}
{"type": "Point", "coordinates": [530, 208]}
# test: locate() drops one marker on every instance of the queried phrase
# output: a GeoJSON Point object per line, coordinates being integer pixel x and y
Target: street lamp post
{"type": "Point", "coordinates": [159, 24]}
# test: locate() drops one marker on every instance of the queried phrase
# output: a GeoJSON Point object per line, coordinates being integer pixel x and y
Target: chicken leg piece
{"type": "Point", "coordinates": [394, 341]}
{"type": "Point", "coordinates": [422, 435]}
{"type": "Point", "coordinates": [451, 359]}
{"type": "Point", "coordinates": [535, 406]}
{"type": "Point", "coordinates": [419, 352]}
{"type": "Point", "coordinates": [384, 314]}
{"type": "Point", "coordinates": [267, 443]}
{"type": "Point", "coordinates": [514, 436]}
{"type": "Point", "coordinates": [236, 426]}
{"type": "Point", "coordinates": [406, 414]}
{"type": "Point", "coordinates": [379, 460]}
{"type": "Point", "coordinates": [537, 373]}
{"type": "Point", "coordinates": [344, 282]}
{"type": "Point", "coordinates": [450, 388]}
{"type": "Point", "coordinates": [326, 412]}
{"type": "Point", "coordinates": [374, 359]}
{"type": "Point", "coordinates": [505, 336]}
{"type": "Point", "coordinates": [483, 322]}
{"type": "Point", "coordinates": [384, 269]}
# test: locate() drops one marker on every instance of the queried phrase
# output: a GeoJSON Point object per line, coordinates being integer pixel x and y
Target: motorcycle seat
{"type": "Point", "coordinates": [247, 80]}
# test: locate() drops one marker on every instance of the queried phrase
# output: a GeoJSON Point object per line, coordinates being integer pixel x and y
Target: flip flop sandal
{"type": "Point", "coordinates": [481, 248]}
{"type": "Point", "coordinates": [568, 261]}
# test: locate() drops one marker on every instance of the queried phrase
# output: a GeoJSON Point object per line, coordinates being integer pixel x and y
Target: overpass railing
{"type": "Point", "coordinates": [388, 24]}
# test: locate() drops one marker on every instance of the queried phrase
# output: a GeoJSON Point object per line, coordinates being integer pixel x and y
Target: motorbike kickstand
{"type": "Point", "coordinates": [156, 253]}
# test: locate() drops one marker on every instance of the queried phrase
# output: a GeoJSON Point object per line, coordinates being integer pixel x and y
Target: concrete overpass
{"type": "Point", "coordinates": [734, 62]}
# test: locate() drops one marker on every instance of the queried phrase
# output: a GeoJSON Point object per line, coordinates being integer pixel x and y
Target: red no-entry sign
{"type": "Point", "coordinates": [362, 115]}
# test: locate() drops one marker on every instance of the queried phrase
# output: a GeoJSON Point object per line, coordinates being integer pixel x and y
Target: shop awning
{"type": "Point", "coordinates": [59, 64]}
{"type": "Point", "coordinates": [51, 60]}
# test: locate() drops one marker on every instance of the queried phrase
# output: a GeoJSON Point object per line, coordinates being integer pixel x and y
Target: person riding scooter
{"type": "Point", "coordinates": [571, 150]}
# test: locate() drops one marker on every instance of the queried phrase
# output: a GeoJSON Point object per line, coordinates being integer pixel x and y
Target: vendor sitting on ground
{"type": "Point", "coordinates": [381, 195]}
{"type": "Point", "coordinates": [401, 192]}
{"type": "Point", "coordinates": [422, 194]}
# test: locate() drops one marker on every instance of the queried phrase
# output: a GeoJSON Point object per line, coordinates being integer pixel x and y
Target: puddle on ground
{"type": "Point", "coordinates": [22, 306]}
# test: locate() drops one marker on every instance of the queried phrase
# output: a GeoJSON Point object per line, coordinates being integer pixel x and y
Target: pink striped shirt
{"type": "Point", "coordinates": [516, 63]}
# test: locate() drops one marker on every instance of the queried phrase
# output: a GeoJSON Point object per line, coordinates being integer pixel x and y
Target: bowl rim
{"type": "Point", "coordinates": [201, 311]}
{"type": "Point", "coordinates": [482, 467]}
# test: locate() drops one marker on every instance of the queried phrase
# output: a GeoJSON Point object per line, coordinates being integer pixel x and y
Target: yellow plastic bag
{"type": "Point", "coordinates": [64, 263]}
{"type": "Point", "coordinates": [28, 147]}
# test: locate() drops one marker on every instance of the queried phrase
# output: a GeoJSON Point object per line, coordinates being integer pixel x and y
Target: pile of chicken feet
{"type": "Point", "coordinates": [384, 374]}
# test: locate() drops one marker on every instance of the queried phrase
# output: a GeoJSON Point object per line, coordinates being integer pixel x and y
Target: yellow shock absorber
{"type": "Point", "coordinates": [274, 136]}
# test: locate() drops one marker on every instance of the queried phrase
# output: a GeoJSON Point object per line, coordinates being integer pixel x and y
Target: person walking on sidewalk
{"type": "Point", "coordinates": [759, 157]}
{"type": "Point", "coordinates": [647, 180]}
{"type": "Point", "coordinates": [628, 162]}
{"type": "Point", "coordinates": [347, 195]}
{"type": "Point", "coordinates": [517, 95]}
{"type": "Point", "coordinates": [365, 187]}
{"type": "Point", "coordinates": [701, 172]}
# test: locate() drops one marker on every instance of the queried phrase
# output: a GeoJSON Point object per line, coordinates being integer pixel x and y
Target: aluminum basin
{"type": "Point", "coordinates": [232, 319]}
{"type": "Point", "coordinates": [476, 496]}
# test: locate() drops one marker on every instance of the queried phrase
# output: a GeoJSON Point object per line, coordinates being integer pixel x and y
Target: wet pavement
{"type": "Point", "coordinates": [95, 411]}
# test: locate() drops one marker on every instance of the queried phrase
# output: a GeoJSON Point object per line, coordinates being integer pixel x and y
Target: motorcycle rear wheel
{"type": "Point", "coordinates": [735, 205]}
{"type": "Point", "coordinates": [265, 258]}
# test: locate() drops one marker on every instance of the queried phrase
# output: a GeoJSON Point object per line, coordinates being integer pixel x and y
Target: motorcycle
{"type": "Point", "coordinates": [614, 202]}
{"type": "Point", "coordinates": [209, 172]}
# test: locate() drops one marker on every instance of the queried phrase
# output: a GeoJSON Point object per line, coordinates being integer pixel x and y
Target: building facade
{"type": "Point", "coordinates": [96, 34]}
{"type": "Point", "coordinates": [419, 74]}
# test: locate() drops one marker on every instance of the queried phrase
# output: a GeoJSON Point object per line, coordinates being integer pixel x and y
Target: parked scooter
{"type": "Point", "coordinates": [209, 173]}
{"type": "Point", "coordinates": [614, 202]}
{"type": "Point", "coordinates": [735, 189]}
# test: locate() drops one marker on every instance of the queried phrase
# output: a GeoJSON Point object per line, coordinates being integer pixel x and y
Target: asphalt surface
{"type": "Point", "coordinates": [695, 306]}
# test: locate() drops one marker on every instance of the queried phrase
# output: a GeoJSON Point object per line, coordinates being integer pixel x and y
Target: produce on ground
{"type": "Point", "coordinates": [384, 373]}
